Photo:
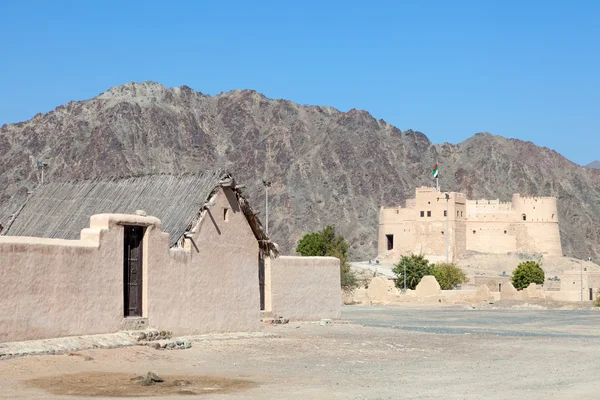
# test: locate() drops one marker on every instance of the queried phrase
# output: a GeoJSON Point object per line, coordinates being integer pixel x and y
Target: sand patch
{"type": "Point", "coordinates": [116, 384]}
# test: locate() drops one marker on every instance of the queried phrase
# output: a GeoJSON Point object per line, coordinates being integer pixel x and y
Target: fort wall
{"type": "Point", "coordinates": [527, 225]}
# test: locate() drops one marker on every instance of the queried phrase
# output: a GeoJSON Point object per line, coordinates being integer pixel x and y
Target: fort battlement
{"type": "Point", "coordinates": [427, 222]}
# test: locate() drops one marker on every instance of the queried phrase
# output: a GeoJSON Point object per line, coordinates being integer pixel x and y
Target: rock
{"type": "Point", "coordinates": [154, 378]}
{"type": "Point", "coordinates": [325, 322]}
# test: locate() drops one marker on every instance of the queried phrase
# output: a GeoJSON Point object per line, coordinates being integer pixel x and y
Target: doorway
{"type": "Point", "coordinates": [261, 281]}
{"type": "Point", "coordinates": [132, 270]}
{"type": "Point", "coordinates": [390, 242]}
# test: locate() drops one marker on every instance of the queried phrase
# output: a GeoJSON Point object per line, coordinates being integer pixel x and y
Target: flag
{"type": "Point", "coordinates": [435, 170]}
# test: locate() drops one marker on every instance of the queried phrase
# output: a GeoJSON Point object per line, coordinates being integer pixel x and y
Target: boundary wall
{"type": "Point", "coordinates": [303, 288]}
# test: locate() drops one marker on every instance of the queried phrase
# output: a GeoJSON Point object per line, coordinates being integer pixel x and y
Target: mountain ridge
{"type": "Point", "coordinates": [327, 165]}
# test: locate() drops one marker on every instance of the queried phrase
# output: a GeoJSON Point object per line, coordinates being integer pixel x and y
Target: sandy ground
{"type": "Point", "coordinates": [384, 353]}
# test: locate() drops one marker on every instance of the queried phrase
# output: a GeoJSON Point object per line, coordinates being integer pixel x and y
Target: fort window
{"type": "Point", "coordinates": [442, 233]}
{"type": "Point", "coordinates": [390, 241]}
{"type": "Point", "coordinates": [505, 232]}
{"type": "Point", "coordinates": [226, 214]}
{"type": "Point", "coordinates": [429, 213]}
{"type": "Point", "coordinates": [461, 213]}
{"type": "Point", "coordinates": [457, 213]}
{"type": "Point", "coordinates": [445, 213]}
{"type": "Point", "coordinates": [474, 232]}
{"type": "Point", "coordinates": [422, 214]}
{"type": "Point", "coordinates": [524, 217]}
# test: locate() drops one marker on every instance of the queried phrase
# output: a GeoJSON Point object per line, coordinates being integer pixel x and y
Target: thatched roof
{"type": "Point", "coordinates": [62, 209]}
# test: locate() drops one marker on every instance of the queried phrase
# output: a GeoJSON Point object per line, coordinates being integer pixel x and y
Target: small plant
{"type": "Point", "coordinates": [417, 266]}
{"type": "Point", "coordinates": [597, 301]}
{"type": "Point", "coordinates": [328, 243]}
{"type": "Point", "coordinates": [526, 273]}
{"type": "Point", "coordinates": [448, 275]}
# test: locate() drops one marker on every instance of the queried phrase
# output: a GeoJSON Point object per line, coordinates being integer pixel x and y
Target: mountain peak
{"type": "Point", "coordinates": [594, 164]}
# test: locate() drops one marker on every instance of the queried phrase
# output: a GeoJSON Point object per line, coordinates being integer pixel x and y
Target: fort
{"type": "Point", "coordinates": [435, 222]}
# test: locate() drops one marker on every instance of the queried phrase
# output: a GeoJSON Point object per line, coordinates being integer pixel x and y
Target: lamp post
{"type": "Point", "coordinates": [404, 264]}
{"type": "Point", "coordinates": [447, 232]}
{"type": "Point", "coordinates": [581, 280]}
{"type": "Point", "coordinates": [267, 185]}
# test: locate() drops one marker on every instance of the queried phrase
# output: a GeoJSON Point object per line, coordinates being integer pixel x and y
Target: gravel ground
{"type": "Point", "coordinates": [384, 353]}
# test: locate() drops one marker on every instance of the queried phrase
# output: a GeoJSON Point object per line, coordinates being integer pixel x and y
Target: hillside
{"type": "Point", "coordinates": [327, 166]}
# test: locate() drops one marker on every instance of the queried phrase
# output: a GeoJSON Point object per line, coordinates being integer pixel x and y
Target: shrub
{"type": "Point", "coordinates": [327, 243]}
{"type": "Point", "coordinates": [526, 273]}
{"type": "Point", "coordinates": [448, 275]}
{"type": "Point", "coordinates": [417, 266]}
{"type": "Point", "coordinates": [597, 301]}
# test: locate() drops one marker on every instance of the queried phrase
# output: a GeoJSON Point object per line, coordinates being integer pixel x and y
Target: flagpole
{"type": "Point", "coordinates": [437, 179]}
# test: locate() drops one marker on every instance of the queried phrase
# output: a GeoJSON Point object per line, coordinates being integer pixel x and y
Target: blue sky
{"type": "Point", "coordinates": [522, 69]}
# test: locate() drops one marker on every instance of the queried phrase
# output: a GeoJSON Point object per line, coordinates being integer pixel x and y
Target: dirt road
{"type": "Point", "coordinates": [386, 353]}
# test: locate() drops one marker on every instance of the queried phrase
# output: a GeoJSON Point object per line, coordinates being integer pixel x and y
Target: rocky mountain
{"type": "Point", "coordinates": [594, 164]}
{"type": "Point", "coordinates": [326, 166]}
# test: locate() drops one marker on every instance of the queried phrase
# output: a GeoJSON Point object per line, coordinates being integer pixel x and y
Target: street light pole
{"type": "Point", "coordinates": [404, 263]}
{"type": "Point", "coordinates": [267, 186]}
{"type": "Point", "coordinates": [581, 280]}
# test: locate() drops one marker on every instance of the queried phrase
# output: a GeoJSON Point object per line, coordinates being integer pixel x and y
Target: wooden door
{"type": "Point", "coordinates": [132, 270]}
{"type": "Point", "coordinates": [261, 281]}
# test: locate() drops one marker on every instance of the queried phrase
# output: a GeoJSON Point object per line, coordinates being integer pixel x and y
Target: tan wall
{"type": "Point", "coordinates": [571, 281]}
{"type": "Point", "coordinates": [212, 286]}
{"type": "Point", "coordinates": [490, 237]}
{"type": "Point", "coordinates": [55, 287]}
{"type": "Point", "coordinates": [539, 237]}
{"type": "Point", "coordinates": [399, 223]}
{"type": "Point", "coordinates": [304, 288]}
{"type": "Point", "coordinates": [492, 282]}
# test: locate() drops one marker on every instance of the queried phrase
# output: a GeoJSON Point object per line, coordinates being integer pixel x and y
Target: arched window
{"type": "Point", "coordinates": [524, 217]}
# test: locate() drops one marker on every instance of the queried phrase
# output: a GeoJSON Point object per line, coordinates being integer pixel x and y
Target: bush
{"type": "Point", "coordinates": [526, 273]}
{"type": "Point", "coordinates": [417, 267]}
{"type": "Point", "coordinates": [448, 275]}
{"type": "Point", "coordinates": [597, 301]}
{"type": "Point", "coordinates": [327, 243]}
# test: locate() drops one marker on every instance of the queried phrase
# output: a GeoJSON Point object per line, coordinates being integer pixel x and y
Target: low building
{"type": "Point", "coordinates": [77, 258]}
{"type": "Point", "coordinates": [433, 224]}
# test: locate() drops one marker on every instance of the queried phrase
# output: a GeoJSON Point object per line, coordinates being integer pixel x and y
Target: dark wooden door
{"type": "Point", "coordinates": [261, 281]}
{"type": "Point", "coordinates": [132, 270]}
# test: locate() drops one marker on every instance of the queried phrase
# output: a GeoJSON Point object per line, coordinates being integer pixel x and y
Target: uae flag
{"type": "Point", "coordinates": [435, 170]}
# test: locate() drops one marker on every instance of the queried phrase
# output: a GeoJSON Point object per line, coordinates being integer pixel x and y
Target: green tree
{"type": "Point", "coordinates": [328, 243]}
{"type": "Point", "coordinates": [417, 266]}
{"type": "Point", "coordinates": [526, 273]}
{"type": "Point", "coordinates": [448, 275]}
